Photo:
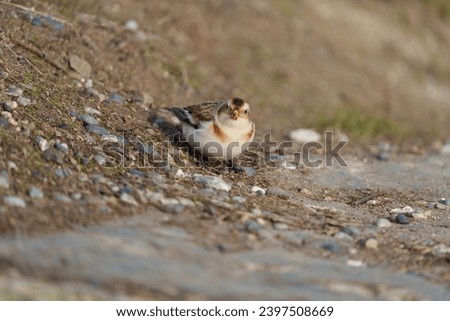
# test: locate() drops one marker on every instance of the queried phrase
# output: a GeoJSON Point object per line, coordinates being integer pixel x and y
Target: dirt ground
{"type": "Point", "coordinates": [75, 223]}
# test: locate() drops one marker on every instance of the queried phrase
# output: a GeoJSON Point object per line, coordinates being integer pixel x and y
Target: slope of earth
{"type": "Point", "coordinates": [95, 204]}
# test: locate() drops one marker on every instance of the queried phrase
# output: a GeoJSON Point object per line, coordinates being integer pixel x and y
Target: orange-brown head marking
{"type": "Point", "coordinates": [236, 108]}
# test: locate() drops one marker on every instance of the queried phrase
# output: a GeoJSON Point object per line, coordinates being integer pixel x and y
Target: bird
{"type": "Point", "coordinates": [218, 129]}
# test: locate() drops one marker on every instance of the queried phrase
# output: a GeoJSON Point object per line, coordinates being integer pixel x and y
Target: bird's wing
{"type": "Point", "coordinates": [194, 115]}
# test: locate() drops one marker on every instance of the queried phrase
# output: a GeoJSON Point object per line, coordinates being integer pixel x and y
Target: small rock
{"type": "Point", "coordinates": [258, 190]}
{"type": "Point", "coordinates": [62, 198]}
{"type": "Point", "coordinates": [96, 130]}
{"type": "Point", "coordinates": [401, 219]}
{"type": "Point", "coordinates": [212, 182]}
{"type": "Point", "coordinates": [383, 222]}
{"type": "Point", "coordinates": [180, 174]}
{"type": "Point", "coordinates": [4, 179]}
{"type": "Point", "coordinates": [14, 201]}
{"type": "Point", "coordinates": [128, 199]}
{"type": "Point", "coordinates": [12, 166]}
{"type": "Point", "coordinates": [249, 171]}
{"type": "Point", "coordinates": [278, 192]}
{"type": "Point", "coordinates": [371, 244]}
{"type": "Point", "coordinates": [53, 155]}
{"type": "Point", "coordinates": [100, 159]}
{"type": "Point", "coordinates": [92, 111]}
{"type": "Point", "coordinates": [383, 156]}
{"type": "Point", "coordinates": [447, 202]}
{"type": "Point", "coordinates": [88, 120]}
{"type": "Point", "coordinates": [351, 230]}
{"type": "Point", "coordinates": [73, 113]}
{"type": "Point", "coordinates": [330, 246]}
{"type": "Point", "coordinates": [404, 210]}
{"type": "Point", "coordinates": [239, 199]}
{"type": "Point", "coordinates": [55, 24]}
{"type": "Point", "coordinates": [79, 65]}
{"type": "Point", "coordinates": [3, 123]}
{"type": "Point", "coordinates": [63, 148]}
{"type": "Point", "coordinates": [35, 192]}
{"type": "Point", "coordinates": [115, 98]}
{"type": "Point", "coordinates": [63, 173]}
{"type": "Point", "coordinates": [421, 215]}
{"type": "Point", "coordinates": [131, 25]}
{"type": "Point", "coordinates": [110, 139]}
{"type": "Point", "coordinates": [281, 226]}
{"type": "Point", "coordinates": [440, 206]}
{"type": "Point", "coordinates": [42, 143]}
{"type": "Point", "coordinates": [9, 105]}
{"type": "Point", "coordinates": [445, 150]}
{"type": "Point", "coordinates": [136, 172]}
{"type": "Point", "coordinates": [252, 226]}
{"type": "Point", "coordinates": [343, 236]}
{"type": "Point", "coordinates": [372, 202]}
{"type": "Point", "coordinates": [304, 135]}
{"type": "Point", "coordinates": [88, 83]}
{"type": "Point", "coordinates": [23, 101]}
{"type": "Point", "coordinates": [14, 91]}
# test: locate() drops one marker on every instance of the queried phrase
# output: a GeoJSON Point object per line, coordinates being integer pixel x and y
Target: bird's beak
{"type": "Point", "coordinates": [235, 115]}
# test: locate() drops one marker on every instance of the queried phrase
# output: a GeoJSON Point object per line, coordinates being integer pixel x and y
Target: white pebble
{"type": "Point", "coordinates": [371, 244]}
{"type": "Point", "coordinates": [128, 199]}
{"type": "Point", "coordinates": [255, 189]}
{"type": "Point", "coordinates": [404, 210]}
{"type": "Point", "coordinates": [42, 143]}
{"type": "Point", "coordinates": [110, 138]}
{"type": "Point", "coordinates": [131, 25]}
{"type": "Point", "coordinates": [304, 135]}
{"type": "Point", "coordinates": [14, 201]}
{"type": "Point", "coordinates": [12, 166]}
{"type": "Point", "coordinates": [212, 182]}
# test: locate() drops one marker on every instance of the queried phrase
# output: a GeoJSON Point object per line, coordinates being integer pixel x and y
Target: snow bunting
{"type": "Point", "coordinates": [218, 129]}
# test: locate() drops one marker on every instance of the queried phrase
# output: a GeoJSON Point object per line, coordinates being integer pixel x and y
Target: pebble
{"type": "Point", "coordinates": [212, 182]}
{"type": "Point", "coordinates": [330, 246]}
{"type": "Point", "coordinates": [110, 139]}
{"type": "Point", "coordinates": [383, 222]}
{"type": "Point", "coordinates": [180, 174]}
{"type": "Point", "coordinates": [445, 150]}
{"type": "Point", "coordinates": [372, 202]}
{"type": "Point", "coordinates": [14, 91]}
{"type": "Point", "coordinates": [447, 202]}
{"type": "Point", "coordinates": [4, 179]}
{"type": "Point", "coordinates": [63, 173]}
{"type": "Point", "coordinates": [249, 171]}
{"type": "Point", "coordinates": [136, 172]}
{"type": "Point", "coordinates": [278, 192]}
{"type": "Point", "coordinates": [23, 101]}
{"type": "Point", "coordinates": [404, 210]}
{"type": "Point", "coordinates": [35, 192]}
{"type": "Point", "coordinates": [53, 155]}
{"type": "Point", "coordinates": [92, 111]}
{"type": "Point", "coordinates": [343, 236]}
{"type": "Point", "coordinates": [100, 159]}
{"type": "Point", "coordinates": [239, 199]}
{"type": "Point", "coordinates": [73, 113]}
{"type": "Point", "coordinates": [303, 135]}
{"type": "Point", "coordinates": [96, 129]}
{"type": "Point", "coordinates": [258, 190]}
{"type": "Point", "coordinates": [281, 226]}
{"type": "Point", "coordinates": [9, 105]}
{"type": "Point", "coordinates": [88, 120]}
{"type": "Point", "coordinates": [14, 201]}
{"type": "Point", "coordinates": [383, 156]}
{"type": "Point", "coordinates": [3, 122]}
{"type": "Point", "coordinates": [63, 148]}
{"type": "Point", "coordinates": [131, 25]}
{"type": "Point", "coordinates": [421, 215]}
{"type": "Point", "coordinates": [351, 230]}
{"type": "Point", "coordinates": [115, 98]}
{"type": "Point", "coordinates": [94, 92]}
{"type": "Point", "coordinates": [12, 166]}
{"type": "Point", "coordinates": [79, 65]}
{"type": "Point", "coordinates": [62, 198]}
{"type": "Point", "coordinates": [88, 84]}
{"type": "Point", "coordinates": [401, 219]}
{"type": "Point", "coordinates": [371, 244]}
{"type": "Point", "coordinates": [128, 199]}
{"type": "Point", "coordinates": [440, 206]}
{"type": "Point", "coordinates": [252, 226]}
{"type": "Point", "coordinates": [42, 143]}
{"type": "Point", "coordinates": [55, 24]}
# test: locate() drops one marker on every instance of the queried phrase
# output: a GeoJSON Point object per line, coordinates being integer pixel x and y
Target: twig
{"type": "Point", "coordinates": [366, 198]}
{"type": "Point", "coordinates": [40, 53]}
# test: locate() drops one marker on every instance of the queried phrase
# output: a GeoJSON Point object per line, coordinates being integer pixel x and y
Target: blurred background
{"type": "Point", "coordinates": [375, 69]}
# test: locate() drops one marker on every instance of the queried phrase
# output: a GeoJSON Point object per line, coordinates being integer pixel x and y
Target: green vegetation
{"type": "Point", "coordinates": [358, 123]}
{"type": "Point", "coordinates": [442, 7]}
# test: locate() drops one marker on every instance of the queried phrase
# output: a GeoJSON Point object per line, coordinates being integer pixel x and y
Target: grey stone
{"type": "Point", "coordinates": [23, 101]}
{"type": "Point", "coordinates": [62, 198]}
{"type": "Point", "coordinates": [440, 206]}
{"type": "Point", "coordinates": [3, 123]}
{"type": "Point", "coordinates": [383, 156]}
{"type": "Point", "coordinates": [55, 24]}
{"type": "Point", "coordinates": [447, 202]}
{"type": "Point", "coordinates": [128, 199]}
{"type": "Point", "coordinates": [212, 182]}
{"type": "Point", "coordinates": [330, 246]}
{"type": "Point", "coordinates": [100, 159]}
{"type": "Point", "coordinates": [115, 98]}
{"type": "Point", "coordinates": [62, 147]}
{"type": "Point", "coordinates": [42, 143]}
{"type": "Point", "coordinates": [79, 65]}
{"type": "Point", "coordinates": [14, 91]}
{"type": "Point", "coordinates": [383, 222]}
{"type": "Point", "coordinates": [96, 130]}
{"type": "Point", "coordinates": [73, 113]}
{"type": "Point", "coordinates": [92, 111]}
{"type": "Point", "coordinates": [110, 139]}
{"type": "Point", "coordinates": [88, 120]}
{"type": "Point", "coordinates": [278, 192]}
{"type": "Point", "coordinates": [401, 219]}
{"type": "Point", "coordinates": [9, 105]}
{"type": "Point", "coordinates": [53, 155]}
{"type": "Point", "coordinates": [4, 179]}
{"type": "Point", "coordinates": [136, 172]}
{"type": "Point", "coordinates": [281, 226]}
{"type": "Point", "coordinates": [351, 230]}
{"type": "Point", "coordinates": [35, 192]}
{"type": "Point", "coordinates": [14, 201]}
{"type": "Point", "coordinates": [63, 172]}
{"type": "Point", "coordinates": [252, 226]}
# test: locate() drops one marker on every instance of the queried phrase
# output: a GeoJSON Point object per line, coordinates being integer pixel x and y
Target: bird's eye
{"type": "Point", "coordinates": [246, 111]}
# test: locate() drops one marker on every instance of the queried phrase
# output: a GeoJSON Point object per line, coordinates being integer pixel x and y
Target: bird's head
{"type": "Point", "coordinates": [235, 109]}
